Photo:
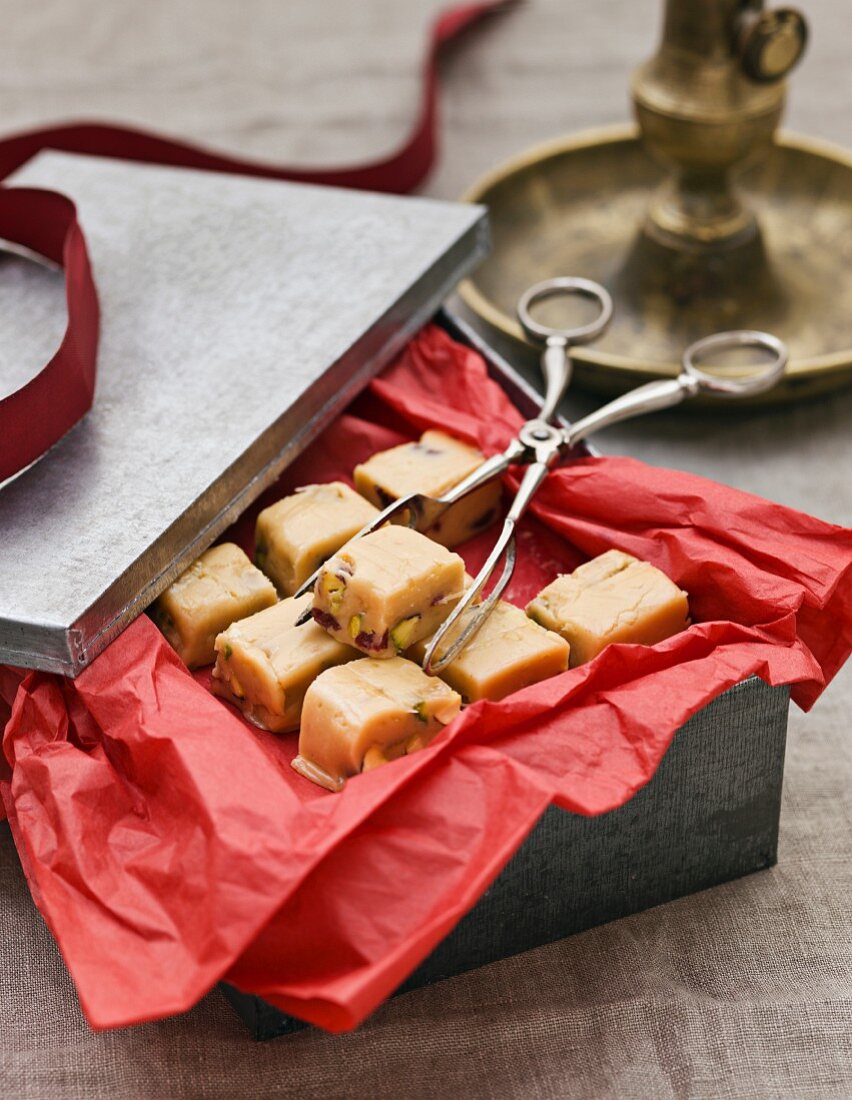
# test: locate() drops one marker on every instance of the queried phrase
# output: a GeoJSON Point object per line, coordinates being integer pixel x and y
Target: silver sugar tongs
{"type": "Point", "coordinates": [539, 445]}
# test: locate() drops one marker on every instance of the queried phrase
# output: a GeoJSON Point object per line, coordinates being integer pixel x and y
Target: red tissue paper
{"type": "Point", "coordinates": [169, 844]}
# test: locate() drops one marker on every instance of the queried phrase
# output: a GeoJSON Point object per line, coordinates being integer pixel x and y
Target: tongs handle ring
{"type": "Point", "coordinates": [556, 365]}
{"type": "Point", "coordinates": [554, 288]}
{"type": "Point", "coordinates": [758, 380]}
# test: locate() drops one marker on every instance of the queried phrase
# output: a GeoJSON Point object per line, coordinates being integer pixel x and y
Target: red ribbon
{"type": "Point", "coordinates": [37, 415]}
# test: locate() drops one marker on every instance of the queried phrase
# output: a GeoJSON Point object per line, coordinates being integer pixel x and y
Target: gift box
{"type": "Point", "coordinates": [170, 845]}
{"type": "Point", "coordinates": [710, 814]}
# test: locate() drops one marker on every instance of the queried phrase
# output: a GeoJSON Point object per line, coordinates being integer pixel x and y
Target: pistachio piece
{"type": "Point", "coordinates": [332, 589]}
{"type": "Point", "coordinates": [420, 711]}
{"type": "Point", "coordinates": [355, 626]}
{"type": "Point", "coordinates": [402, 633]}
{"type": "Point", "coordinates": [370, 640]}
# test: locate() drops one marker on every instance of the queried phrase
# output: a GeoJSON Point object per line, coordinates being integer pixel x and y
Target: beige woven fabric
{"type": "Point", "coordinates": [743, 990]}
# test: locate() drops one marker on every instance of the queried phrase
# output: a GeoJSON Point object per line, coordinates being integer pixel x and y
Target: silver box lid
{"type": "Point", "coordinates": [239, 316]}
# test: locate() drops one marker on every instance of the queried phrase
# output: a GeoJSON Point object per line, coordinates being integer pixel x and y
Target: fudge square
{"type": "Point", "coordinates": [612, 598]}
{"type": "Point", "coordinates": [218, 588]}
{"type": "Point", "coordinates": [387, 590]}
{"type": "Point", "coordinates": [294, 536]}
{"type": "Point", "coordinates": [507, 653]}
{"type": "Point", "coordinates": [367, 713]}
{"type": "Point", "coordinates": [432, 466]}
{"type": "Point", "coordinates": [265, 663]}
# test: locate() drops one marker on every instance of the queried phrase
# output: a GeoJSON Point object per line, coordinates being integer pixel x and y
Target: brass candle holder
{"type": "Point", "coordinates": [699, 219]}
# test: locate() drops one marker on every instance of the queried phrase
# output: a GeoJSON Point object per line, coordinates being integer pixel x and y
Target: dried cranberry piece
{"type": "Point", "coordinates": [326, 621]}
{"type": "Point", "coordinates": [368, 639]}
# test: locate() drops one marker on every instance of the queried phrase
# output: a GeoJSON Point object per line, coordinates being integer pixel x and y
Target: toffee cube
{"type": "Point", "coordinates": [367, 713]}
{"type": "Point", "coordinates": [507, 653]}
{"type": "Point", "coordinates": [612, 598]}
{"type": "Point", "coordinates": [387, 590]}
{"type": "Point", "coordinates": [218, 588]}
{"type": "Point", "coordinates": [265, 663]}
{"type": "Point", "coordinates": [432, 466]}
{"type": "Point", "coordinates": [294, 536]}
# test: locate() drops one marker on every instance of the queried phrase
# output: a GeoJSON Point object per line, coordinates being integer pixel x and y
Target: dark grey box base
{"type": "Point", "coordinates": [710, 814]}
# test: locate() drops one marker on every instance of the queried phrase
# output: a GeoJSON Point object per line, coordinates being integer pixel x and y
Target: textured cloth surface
{"type": "Point", "coordinates": [744, 990]}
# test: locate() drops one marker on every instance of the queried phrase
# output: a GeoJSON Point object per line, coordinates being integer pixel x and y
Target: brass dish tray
{"type": "Point", "coordinates": [577, 206]}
